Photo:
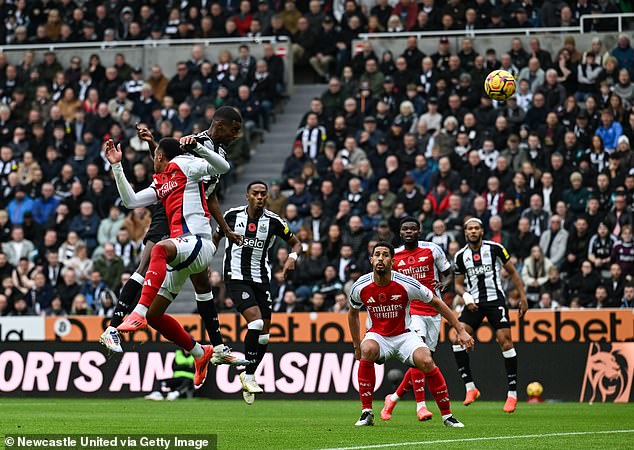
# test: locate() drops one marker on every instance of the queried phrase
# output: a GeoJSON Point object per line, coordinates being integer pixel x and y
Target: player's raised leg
{"type": "Point", "coordinates": [370, 353]}
{"type": "Point", "coordinates": [503, 336]}
{"type": "Point", "coordinates": [437, 385]}
{"type": "Point", "coordinates": [173, 331]}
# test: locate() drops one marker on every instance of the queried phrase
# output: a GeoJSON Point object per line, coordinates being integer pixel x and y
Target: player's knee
{"type": "Point", "coordinates": [427, 364]}
{"type": "Point", "coordinates": [257, 324]}
{"type": "Point", "coordinates": [370, 352]}
{"type": "Point", "coordinates": [264, 339]}
{"type": "Point", "coordinates": [505, 344]}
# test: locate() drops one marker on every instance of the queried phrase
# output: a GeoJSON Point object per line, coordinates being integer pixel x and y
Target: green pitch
{"type": "Point", "coordinates": [295, 424]}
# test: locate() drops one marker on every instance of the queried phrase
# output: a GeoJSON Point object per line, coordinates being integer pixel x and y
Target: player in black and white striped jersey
{"type": "Point", "coordinates": [480, 262]}
{"type": "Point", "coordinates": [247, 273]}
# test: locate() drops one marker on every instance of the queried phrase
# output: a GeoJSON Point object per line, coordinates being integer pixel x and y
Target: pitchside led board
{"type": "Point", "coordinates": [577, 355]}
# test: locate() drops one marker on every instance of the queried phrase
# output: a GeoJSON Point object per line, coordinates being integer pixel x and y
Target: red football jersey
{"type": "Point", "coordinates": [388, 306]}
{"type": "Point", "coordinates": [180, 189]}
{"type": "Point", "coordinates": [425, 263]}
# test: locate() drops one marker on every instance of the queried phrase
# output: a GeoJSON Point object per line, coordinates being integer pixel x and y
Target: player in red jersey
{"type": "Point", "coordinates": [423, 261]}
{"type": "Point", "coordinates": [178, 185]}
{"type": "Point", "coordinates": [386, 295]}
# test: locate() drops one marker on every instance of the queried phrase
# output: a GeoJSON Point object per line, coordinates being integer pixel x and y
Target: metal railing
{"type": "Point", "coordinates": [145, 43]}
{"type": "Point", "coordinates": [501, 31]}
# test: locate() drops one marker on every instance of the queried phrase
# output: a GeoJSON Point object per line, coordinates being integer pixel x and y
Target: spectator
{"type": "Point", "coordinates": [18, 247]}
{"type": "Point", "coordinates": [80, 306]}
{"type": "Point", "coordinates": [583, 285]}
{"type": "Point", "coordinates": [535, 272]}
{"type": "Point", "coordinates": [110, 266]}
{"type": "Point", "coordinates": [623, 252]}
{"type": "Point", "coordinates": [86, 225]}
{"type": "Point", "coordinates": [609, 130]}
{"type": "Point", "coordinates": [628, 297]}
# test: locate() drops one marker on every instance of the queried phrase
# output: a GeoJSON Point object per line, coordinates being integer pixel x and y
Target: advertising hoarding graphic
{"type": "Point", "coordinates": [609, 373]}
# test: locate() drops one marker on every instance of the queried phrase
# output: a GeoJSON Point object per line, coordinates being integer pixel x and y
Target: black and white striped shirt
{"type": "Point", "coordinates": [205, 140]}
{"type": "Point", "coordinates": [481, 270]}
{"type": "Point", "coordinates": [250, 261]}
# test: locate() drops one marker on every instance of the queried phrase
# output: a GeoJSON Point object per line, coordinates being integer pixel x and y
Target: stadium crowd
{"type": "Point", "coordinates": [549, 172]}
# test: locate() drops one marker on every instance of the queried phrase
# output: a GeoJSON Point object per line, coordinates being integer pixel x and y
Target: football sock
{"type": "Point", "coordinates": [367, 379]}
{"type": "Point", "coordinates": [438, 389]}
{"type": "Point", "coordinates": [154, 276]}
{"type": "Point", "coordinates": [172, 330]}
{"type": "Point", "coordinates": [420, 405]}
{"type": "Point", "coordinates": [263, 344]}
{"type": "Point", "coordinates": [127, 299]}
{"type": "Point", "coordinates": [209, 314]}
{"type": "Point", "coordinates": [405, 386]}
{"type": "Point", "coordinates": [462, 360]}
{"type": "Point", "coordinates": [510, 363]}
{"type": "Point", "coordinates": [418, 383]}
{"type": "Point", "coordinates": [251, 350]}
{"type": "Point", "coordinates": [197, 351]}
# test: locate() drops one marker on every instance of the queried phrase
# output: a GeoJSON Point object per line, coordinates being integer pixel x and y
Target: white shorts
{"type": "Point", "coordinates": [193, 255]}
{"type": "Point", "coordinates": [400, 347]}
{"type": "Point", "coordinates": [428, 328]}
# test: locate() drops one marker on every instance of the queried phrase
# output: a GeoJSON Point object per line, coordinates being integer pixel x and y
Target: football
{"type": "Point", "coordinates": [534, 389]}
{"type": "Point", "coordinates": [500, 85]}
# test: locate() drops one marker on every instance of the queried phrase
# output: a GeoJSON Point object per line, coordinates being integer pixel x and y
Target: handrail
{"type": "Point", "coordinates": [483, 31]}
{"type": "Point", "coordinates": [486, 31]}
{"type": "Point", "coordinates": [620, 16]}
{"type": "Point", "coordinates": [144, 43]}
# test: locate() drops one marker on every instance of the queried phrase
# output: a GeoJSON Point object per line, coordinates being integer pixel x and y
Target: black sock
{"type": "Point", "coordinates": [251, 350]}
{"type": "Point", "coordinates": [510, 364]}
{"type": "Point", "coordinates": [208, 313]}
{"type": "Point", "coordinates": [462, 360]}
{"type": "Point", "coordinates": [128, 298]}
{"type": "Point", "coordinates": [261, 352]}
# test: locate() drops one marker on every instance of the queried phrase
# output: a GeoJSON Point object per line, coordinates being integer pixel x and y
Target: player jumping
{"type": "Point", "coordinates": [386, 295]}
{"type": "Point", "coordinates": [178, 185]}
{"type": "Point", "coordinates": [423, 261]}
{"type": "Point", "coordinates": [480, 261]}
{"type": "Point", "coordinates": [247, 274]}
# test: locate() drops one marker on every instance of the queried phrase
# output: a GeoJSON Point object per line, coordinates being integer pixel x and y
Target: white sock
{"type": "Point", "coordinates": [197, 351]}
{"type": "Point", "coordinates": [141, 310]}
{"type": "Point", "coordinates": [512, 394]}
{"type": "Point", "coordinates": [366, 409]}
{"type": "Point", "coordinates": [420, 405]}
{"type": "Point", "coordinates": [249, 376]}
{"type": "Point", "coordinates": [394, 397]}
{"type": "Point", "coordinates": [218, 348]}
{"type": "Point", "coordinates": [470, 386]}
{"type": "Point", "coordinates": [446, 416]}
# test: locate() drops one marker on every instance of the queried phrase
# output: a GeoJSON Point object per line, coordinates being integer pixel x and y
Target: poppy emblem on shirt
{"type": "Point", "coordinates": [382, 297]}
{"type": "Point", "coordinates": [476, 257]}
{"type": "Point", "coordinates": [411, 260]}
{"type": "Point", "coordinates": [251, 227]}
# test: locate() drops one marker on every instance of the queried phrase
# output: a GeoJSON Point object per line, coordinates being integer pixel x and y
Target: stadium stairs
{"type": "Point", "coordinates": [265, 164]}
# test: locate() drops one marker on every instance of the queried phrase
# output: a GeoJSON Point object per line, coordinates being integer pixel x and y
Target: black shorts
{"type": "Point", "coordinates": [246, 294]}
{"type": "Point", "coordinates": [159, 228]}
{"type": "Point", "coordinates": [496, 313]}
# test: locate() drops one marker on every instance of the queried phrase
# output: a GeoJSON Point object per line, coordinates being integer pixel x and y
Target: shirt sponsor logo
{"type": "Point", "coordinates": [253, 243]}
{"type": "Point", "coordinates": [165, 189]}
{"type": "Point", "coordinates": [480, 270]}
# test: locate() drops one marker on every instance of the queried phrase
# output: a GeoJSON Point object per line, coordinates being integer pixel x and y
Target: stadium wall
{"type": "Point", "coordinates": [577, 356]}
{"type": "Point", "coordinates": [598, 372]}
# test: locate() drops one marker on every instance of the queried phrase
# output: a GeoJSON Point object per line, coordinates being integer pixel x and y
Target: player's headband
{"type": "Point", "coordinates": [473, 219]}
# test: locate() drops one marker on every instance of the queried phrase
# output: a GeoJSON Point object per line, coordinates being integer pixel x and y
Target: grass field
{"type": "Point", "coordinates": [277, 424]}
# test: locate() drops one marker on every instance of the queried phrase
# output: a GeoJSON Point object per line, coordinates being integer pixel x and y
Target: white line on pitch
{"type": "Point", "coordinates": [492, 438]}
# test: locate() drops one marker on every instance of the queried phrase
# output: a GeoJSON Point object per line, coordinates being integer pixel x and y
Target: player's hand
{"type": "Point", "coordinates": [472, 307]}
{"type": "Point", "coordinates": [289, 266]}
{"type": "Point", "coordinates": [188, 142]}
{"type": "Point", "coordinates": [234, 237]}
{"type": "Point", "coordinates": [357, 353]}
{"type": "Point", "coordinates": [465, 340]}
{"type": "Point", "coordinates": [523, 307]}
{"type": "Point", "coordinates": [437, 285]}
{"type": "Point", "coordinates": [113, 153]}
{"type": "Point", "coordinates": [143, 133]}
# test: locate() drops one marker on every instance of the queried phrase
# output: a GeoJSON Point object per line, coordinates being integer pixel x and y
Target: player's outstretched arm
{"type": "Point", "coordinates": [218, 164]}
{"type": "Point", "coordinates": [464, 338]}
{"type": "Point", "coordinates": [519, 285]}
{"type": "Point", "coordinates": [355, 331]}
{"type": "Point", "coordinates": [130, 199]}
